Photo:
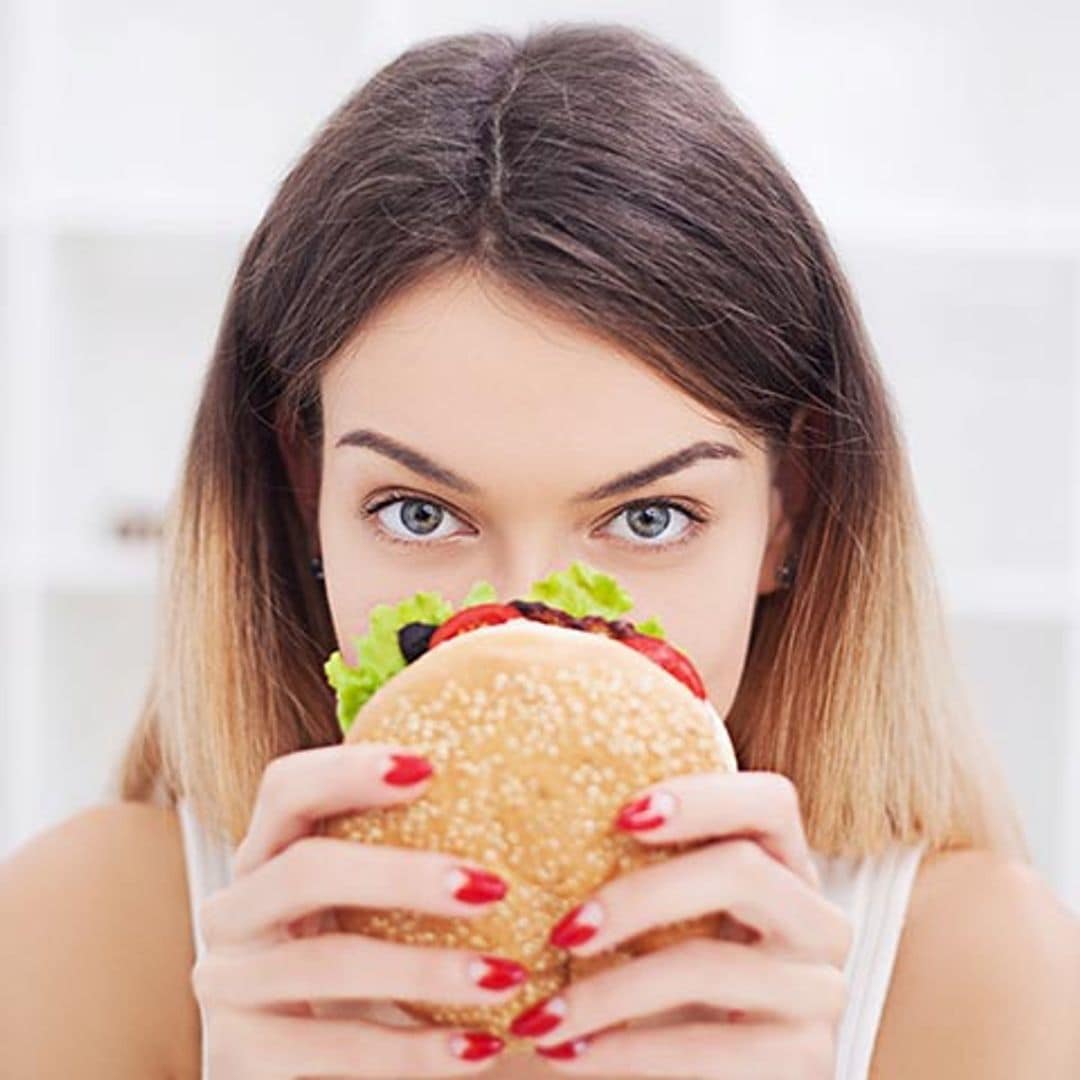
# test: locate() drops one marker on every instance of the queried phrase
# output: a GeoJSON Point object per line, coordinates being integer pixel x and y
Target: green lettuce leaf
{"type": "Point", "coordinates": [651, 626]}
{"type": "Point", "coordinates": [378, 653]}
{"type": "Point", "coordinates": [578, 591]}
{"type": "Point", "coordinates": [582, 591]}
{"type": "Point", "coordinates": [483, 592]}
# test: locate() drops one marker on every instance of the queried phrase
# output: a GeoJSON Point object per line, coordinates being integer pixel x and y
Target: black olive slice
{"type": "Point", "coordinates": [414, 638]}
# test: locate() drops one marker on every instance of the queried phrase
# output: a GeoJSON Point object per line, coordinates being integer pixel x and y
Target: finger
{"type": "Point", "coordinates": [324, 871]}
{"type": "Point", "coordinates": [734, 876]}
{"type": "Point", "coordinates": [297, 789]}
{"type": "Point", "coordinates": [342, 966]}
{"type": "Point", "coordinates": [743, 1051]}
{"type": "Point", "coordinates": [303, 1046]}
{"type": "Point", "coordinates": [763, 806]}
{"type": "Point", "coordinates": [700, 971]}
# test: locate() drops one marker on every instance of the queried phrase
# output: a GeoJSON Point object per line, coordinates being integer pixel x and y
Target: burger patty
{"type": "Point", "coordinates": [597, 624]}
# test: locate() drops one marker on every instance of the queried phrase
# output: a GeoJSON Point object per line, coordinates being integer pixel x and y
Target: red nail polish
{"type": "Point", "coordinates": [577, 927]}
{"type": "Point", "coordinates": [475, 1045]}
{"type": "Point", "coordinates": [540, 1018]}
{"type": "Point", "coordinates": [476, 886]}
{"type": "Point", "coordinates": [648, 812]}
{"type": "Point", "coordinates": [408, 769]}
{"type": "Point", "coordinates": [572, 1049]}
{"type": "Point", "coordinates": [497, 973]}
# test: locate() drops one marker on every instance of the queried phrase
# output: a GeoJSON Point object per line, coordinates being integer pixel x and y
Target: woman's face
{"type": "Point", "coordinates": [468, 436]}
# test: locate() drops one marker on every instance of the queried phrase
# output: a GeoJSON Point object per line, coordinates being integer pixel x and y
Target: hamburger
{"type": "Point", "coordinates": [542, 715]}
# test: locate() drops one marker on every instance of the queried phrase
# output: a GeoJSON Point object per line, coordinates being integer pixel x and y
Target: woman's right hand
{"type": "Point", "coordinates": [256, 975]}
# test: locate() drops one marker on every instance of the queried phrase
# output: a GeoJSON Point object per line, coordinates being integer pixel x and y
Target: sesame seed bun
{"type": "Point", "coordinates": [538, 734]}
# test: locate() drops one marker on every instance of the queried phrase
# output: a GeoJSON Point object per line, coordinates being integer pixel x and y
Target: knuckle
{"type": "Point", "coordinates": [270, 779]}
{"type": "Point", "coordinates": [784, 789]}
{"type": "Point", "coordinates": [784, 797]}
{"type": "Point", "coordinates": [274, 782]}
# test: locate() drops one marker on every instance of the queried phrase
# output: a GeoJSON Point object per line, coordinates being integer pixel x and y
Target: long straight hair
{"type": "Point", "coordinates": [609, 178]}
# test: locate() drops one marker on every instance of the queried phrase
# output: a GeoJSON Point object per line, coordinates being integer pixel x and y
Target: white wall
{"type": "Point", "coordinates": [140, 142]}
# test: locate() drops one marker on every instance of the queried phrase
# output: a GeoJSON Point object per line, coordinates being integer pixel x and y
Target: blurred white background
{"type": "Point", "coordinates": [140, 142]}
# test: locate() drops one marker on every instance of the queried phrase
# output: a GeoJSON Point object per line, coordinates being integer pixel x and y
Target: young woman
{"type": "Point", "coordinates": [523, 302]}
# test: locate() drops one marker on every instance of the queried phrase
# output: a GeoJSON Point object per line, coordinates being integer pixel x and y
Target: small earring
{"type": "Point", "coordinates": [786, 574]}
{"type": "Point", "coordinates": [317, 566]}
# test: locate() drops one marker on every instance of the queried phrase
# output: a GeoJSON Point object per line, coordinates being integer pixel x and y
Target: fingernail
{"type": "Point", "coordinates": [475, 886]}
{"type": "Point", "coordinates": [540, 1018]}
{"type": "Point", "coordinates": [475, 1045]}
{"type": "Point", "coordinates": [578, 926]}
{"type": "Point", "coordinates": [572, 1049]}
{"type": "Point", "coordinates": [496, 973]}
{"type": "Point", "coordinates": [648, 812]}
{"type": "Point", "coordinates": [407, 769]}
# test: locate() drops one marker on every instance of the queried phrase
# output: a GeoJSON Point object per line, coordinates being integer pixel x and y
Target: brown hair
{"type": "Point", "coordinates": [608, 177]}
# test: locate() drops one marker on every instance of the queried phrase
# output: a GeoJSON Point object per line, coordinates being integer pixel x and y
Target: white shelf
{"type": "Point", "coordinates": [83, 567]}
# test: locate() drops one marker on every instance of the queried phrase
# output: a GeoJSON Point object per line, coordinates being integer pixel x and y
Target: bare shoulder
{"type": "Point", "coordinates": [95, 933]}
{"type": "Point", "coordinates": [987, 976]}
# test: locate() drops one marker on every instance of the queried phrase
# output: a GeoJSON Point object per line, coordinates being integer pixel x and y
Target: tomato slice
{"type": "Point", "coordinates": [473, 617]}
{"type": "Point", "coordinates": [669, 658]}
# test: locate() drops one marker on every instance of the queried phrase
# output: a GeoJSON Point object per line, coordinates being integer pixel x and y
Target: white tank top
{"type": "Point", "coordinates": [872, 890]}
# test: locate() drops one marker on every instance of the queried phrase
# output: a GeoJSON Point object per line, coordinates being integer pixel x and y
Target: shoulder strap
{"type": "Point", "coordinates": [209, 864]}
{"type": "Point", "coordinates": [209, 868]}
{"type": "Point", "coordinates": [881, 888]}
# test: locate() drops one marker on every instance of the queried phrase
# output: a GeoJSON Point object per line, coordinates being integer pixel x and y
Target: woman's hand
{"type": "Point", "coordinates": [265, 960]}
{"type": "Point", "coordinates": [778, 995]}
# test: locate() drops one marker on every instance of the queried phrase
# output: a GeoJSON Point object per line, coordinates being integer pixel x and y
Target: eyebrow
{"type": "Point", "coordinates": [420, 463]}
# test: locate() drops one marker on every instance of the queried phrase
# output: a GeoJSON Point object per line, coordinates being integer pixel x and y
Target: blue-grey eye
{"type": "Point", "coordinates": [653, 521]}
{"type": "Point", "coordinates": [411, 519]}
{"type": "Point", "coordinates": [420, 517]}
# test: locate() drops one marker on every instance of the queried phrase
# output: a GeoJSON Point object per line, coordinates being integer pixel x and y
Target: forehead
{"type": "Point", "coordinates": [464, 369]}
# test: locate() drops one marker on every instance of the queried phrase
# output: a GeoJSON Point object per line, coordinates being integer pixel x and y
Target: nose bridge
{"type": "Point", "coordinates": [528, 552]}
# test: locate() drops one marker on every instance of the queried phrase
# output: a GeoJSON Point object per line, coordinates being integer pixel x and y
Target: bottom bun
{"type": "Point", "coordinates": [538, 735]}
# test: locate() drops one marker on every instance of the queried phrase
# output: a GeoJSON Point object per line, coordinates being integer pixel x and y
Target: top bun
{"type": "Point", "coordinates": [538, 735]}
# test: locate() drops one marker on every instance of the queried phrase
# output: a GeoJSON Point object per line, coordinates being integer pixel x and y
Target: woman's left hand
{"type": "Point", "coordinates": [783, 993]}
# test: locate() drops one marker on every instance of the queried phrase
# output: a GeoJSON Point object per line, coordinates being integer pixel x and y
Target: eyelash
{"type": "Point", "coordinates": [697, 520]}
